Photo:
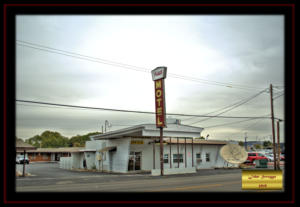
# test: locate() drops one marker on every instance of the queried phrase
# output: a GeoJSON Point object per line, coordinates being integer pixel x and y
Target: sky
{"type": "Point", "coordinates": [212, 61]}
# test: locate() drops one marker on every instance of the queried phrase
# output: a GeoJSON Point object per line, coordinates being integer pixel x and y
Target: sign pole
{"type": "Point", "coordinates": [161, 152]}
{"type": "Point", "coordinates": [158, 76]}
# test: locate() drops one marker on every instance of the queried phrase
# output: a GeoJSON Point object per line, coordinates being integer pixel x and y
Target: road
{"type": "Point", "coordinates": [48, 177]}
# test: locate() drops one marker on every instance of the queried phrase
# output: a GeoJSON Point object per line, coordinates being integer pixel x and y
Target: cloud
{"type": "Point", "coordinates": [244, 50]}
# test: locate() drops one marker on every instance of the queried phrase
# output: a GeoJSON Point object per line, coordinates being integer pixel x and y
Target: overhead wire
{"type": "Point", "coordinates": [228, 106]}
{"type": "Point", "coordinates": [134, 111]}
{"type": "Point", "coordinates": [247, 127]}
{"type": "Point", "coordinates": [213, 126]}
{"type": "Point", "coordinates": [127, 66]}
{"type": "Point", "coordinates": [278, 96]}
{"type": "Point", "coordinates": [233, 106]}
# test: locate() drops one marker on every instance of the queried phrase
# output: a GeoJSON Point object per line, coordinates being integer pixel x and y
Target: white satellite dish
{"type": "Point", "coordinates": [234, 153]}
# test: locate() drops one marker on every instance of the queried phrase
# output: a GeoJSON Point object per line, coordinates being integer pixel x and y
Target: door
{"type": "Point", "coordinates": [134, 162]}
{"type": "Point", "coordinates": [138, 156]}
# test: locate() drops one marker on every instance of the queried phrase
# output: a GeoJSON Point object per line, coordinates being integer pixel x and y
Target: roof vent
{"type": "Point", "coordinates": [173, 121]}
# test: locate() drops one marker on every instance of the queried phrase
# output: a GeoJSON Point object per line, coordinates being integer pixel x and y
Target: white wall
{"type": "Point", "coordinates": [65, 163]}
{"type": "Point", "coordinates": [117, 161]}
{"type": "Point", "coordinates": [147, 153]}
{"type": "Point", "coordinates": [90, 159]}
{"type": "Point", "coordinates": [147, 156]}
{"type": "Point", "coordinates": [118, 158]}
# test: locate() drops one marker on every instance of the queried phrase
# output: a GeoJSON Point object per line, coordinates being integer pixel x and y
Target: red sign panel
{"type": "Point", "coordinates": [160, 103]}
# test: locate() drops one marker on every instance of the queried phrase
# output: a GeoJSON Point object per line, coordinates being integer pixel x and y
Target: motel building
{"type": "Point", "coordinates": [137, 149]}
{"type": "Point", "coordinates": [49, 154]}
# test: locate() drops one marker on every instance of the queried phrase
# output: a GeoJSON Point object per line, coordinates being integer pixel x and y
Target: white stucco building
{"type": "Point", "coordinates": [137, 148]}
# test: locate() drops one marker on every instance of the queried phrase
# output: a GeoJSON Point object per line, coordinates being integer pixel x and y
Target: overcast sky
{"type": "Point", "coordinates": [244, 52]}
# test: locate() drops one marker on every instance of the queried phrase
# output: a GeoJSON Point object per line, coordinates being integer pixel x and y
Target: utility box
{"type": "Point", "coordinates": [263, 163]}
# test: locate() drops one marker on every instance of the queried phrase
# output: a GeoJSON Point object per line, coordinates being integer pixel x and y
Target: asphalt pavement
{"type": "Point", "coordinates": [48, 177]}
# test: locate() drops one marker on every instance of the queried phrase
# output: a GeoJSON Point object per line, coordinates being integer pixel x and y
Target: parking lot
{"type": "Point", "coordinates": [48, 177]}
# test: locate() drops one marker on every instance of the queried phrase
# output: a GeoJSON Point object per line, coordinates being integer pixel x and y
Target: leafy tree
{"type": "Point", "coordinates": [258, 146]}
{"type": "Point", "coordinates": [76, 144]}
{"type": "Point", "coordinates": [49, 139]}
{"type": "Point", "coordinates": [241, 143]}
{"type": "Point", "coordinates": [267, 144]}
{"type": "Point", "coordinates": [79, 140]}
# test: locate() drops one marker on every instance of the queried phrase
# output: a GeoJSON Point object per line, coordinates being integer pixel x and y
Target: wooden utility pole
{"type": "Point", "coordinates": [24, 164]}
{"type": "Point", "coordinates": [278, 145]}
{"type": "Point", "coordinates": [246, 141]}
{"type": "Point", "coordinates": [192, 152]}
{"type": "Point", "coordinates": [170, 152]}
{"type": "Point", "coordinates": [273, 130]}
{"type": "Point", "coordinates": [178, 151]}
{"type": "Point", "coordinates": [154, 154]}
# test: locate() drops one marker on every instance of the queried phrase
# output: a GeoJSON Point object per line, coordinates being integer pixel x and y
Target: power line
{"type": "Point", "coordinates": [247, 127]}
{"type": "Point", "coordinates": [229, 123]}
{"type": "Point", "coordinates": [234, 106]}
{"type": "Point", "coordinates": [127, 66]}
{"type": "Point", "coordinates": [228, 106]}
{"type": "Point", "coordinates": [278, 96]}
{"type": "Point", "coordinates": [133, 111]}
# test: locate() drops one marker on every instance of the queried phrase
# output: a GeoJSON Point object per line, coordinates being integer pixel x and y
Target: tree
{"type": "Point", "coordinates": [267, 144]}
{"type": "Point", "coordinates": [49, 139]}
{"type": "Point", "coordinates": [79, 140]}
{"type": "Point", "coordinates": [258, 146]}
{"type": "Point", "coordinates": [241, 143]}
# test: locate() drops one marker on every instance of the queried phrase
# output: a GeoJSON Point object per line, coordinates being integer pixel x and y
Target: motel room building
{"type": "Point", "coordinates": [49, 154]}
{"type": "Point", "coordinates": [137, 148]}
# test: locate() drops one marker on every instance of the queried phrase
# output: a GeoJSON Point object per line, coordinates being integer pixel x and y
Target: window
{"type": "Point", "coordinates": [175, 157]}
{"type": "Point", "coordinates": [207, 156]}
{"type": "Point", "coordinates": [45, 156]}
{"type": "Point", "coordinates": [166, 158]}
{"type": "Point", "coordinates": [198, 156]}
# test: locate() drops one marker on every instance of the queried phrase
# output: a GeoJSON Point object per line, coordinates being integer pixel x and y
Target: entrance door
{"type": "Point", "coordinates": [134, 161]}
{"type": "Point", "coordinates": [138, 156]}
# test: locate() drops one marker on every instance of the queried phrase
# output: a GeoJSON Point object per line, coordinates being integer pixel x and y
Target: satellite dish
{"type": "Point", "coordinates": [234, 153]}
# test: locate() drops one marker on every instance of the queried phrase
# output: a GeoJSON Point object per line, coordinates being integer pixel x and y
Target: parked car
{"type": "Point", "coordinates": [20, 159]}
{"type": "Point", "coordinates": [252, 156]}
{"type": "Point", "coordinates": [270, 157]}
{"type": "Point", "coordinates": [282, 157]}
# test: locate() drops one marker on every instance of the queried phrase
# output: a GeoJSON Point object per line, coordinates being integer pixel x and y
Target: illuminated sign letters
{"type": "Point", "coordinates": [158, 76]}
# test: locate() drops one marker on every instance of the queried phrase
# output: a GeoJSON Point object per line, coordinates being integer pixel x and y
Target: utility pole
{"type": "Point", "coordinates": [246, 141]}
{"type": "Point", "coordinates": [278, 145]}
{"type": "Point", "coordinates": [273, 130]}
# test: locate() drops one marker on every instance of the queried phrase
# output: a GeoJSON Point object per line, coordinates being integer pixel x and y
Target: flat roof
{"type": "Point", "coordinates": [195, 141]}
{"type": "Point", "coordinates": [21, 146]}
{"type": "Point", "coordinates": [60, 149]}
{"type": "Point", "coordinates": [151, 131]}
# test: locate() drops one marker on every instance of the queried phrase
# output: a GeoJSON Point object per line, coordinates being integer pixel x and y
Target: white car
{"type": "Point", "coordinates": [20, 159]}
{"type": "Point", "coordinates": [270, 157]}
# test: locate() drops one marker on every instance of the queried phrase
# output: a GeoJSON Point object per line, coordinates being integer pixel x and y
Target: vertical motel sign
{"type": "Point", "coordinates": [158, 76]}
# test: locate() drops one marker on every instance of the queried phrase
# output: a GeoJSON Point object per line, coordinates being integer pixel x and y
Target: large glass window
{"type": "Point", "coordinates": [166, 158]}
{"type": "Point", "coordinates": [198, 157]}
{"type": "Point", "coordinates": [207, 156]}
{"type": "Point", "coordinates": [175, 157]}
